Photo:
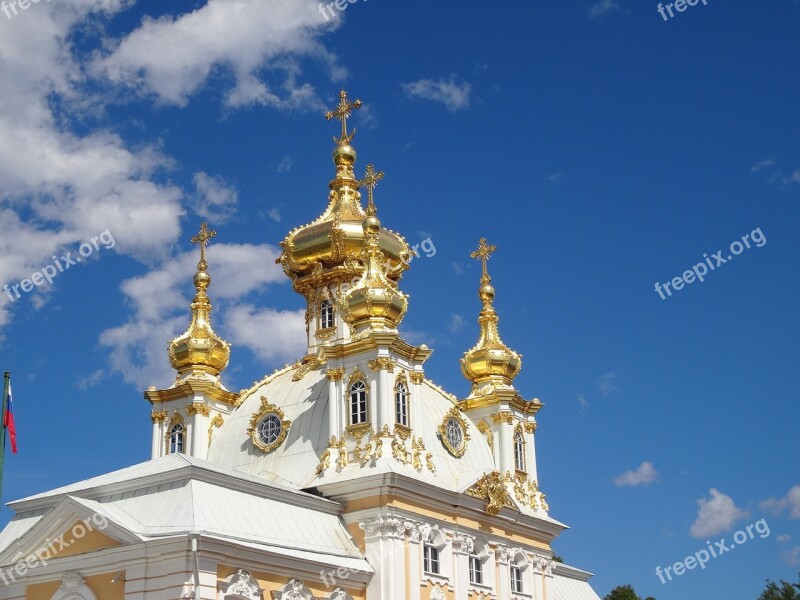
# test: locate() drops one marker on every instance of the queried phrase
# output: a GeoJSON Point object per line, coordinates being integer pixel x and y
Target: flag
{"type": "Point", "coordinates": [8, 422]}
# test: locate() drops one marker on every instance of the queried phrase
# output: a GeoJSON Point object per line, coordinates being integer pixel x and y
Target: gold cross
{"type": "Point", "coordinates": [371, 179]}
{"type": "Point", "coordinates": [342, 111]}
{"type": "Point", "coordinates": [483, 253]}
{"type": "Point", "coordinates": [202, 239]}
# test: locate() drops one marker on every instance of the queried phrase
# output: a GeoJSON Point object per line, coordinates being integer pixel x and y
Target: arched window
{"type": "Point", "coordinates": [518, 570]}
{"type": "Point", "coordinates": [401, 404]}
{"type": "Point", "coordinates": [358, 403]}
{"type": "Point", "coordinates": [475, 569]}
{"type": "Point", "coordinates": [326, 314]}
{"type": "Point", "coordinates": [433, 556]}
{"type": "Point", "coordinates": [176, 438]}
{"type": "Point", "coordinates": [519, 451]}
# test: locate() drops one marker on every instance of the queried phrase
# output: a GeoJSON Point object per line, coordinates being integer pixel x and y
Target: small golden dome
{"type": "Point", "coordinates": [490, 360]}
{"type": "Point", "coordinates": [200, 350]}
{"type": "Point", "coordinates": [375, 300]}
{"type": "Point", "coordinates": [329, 248]}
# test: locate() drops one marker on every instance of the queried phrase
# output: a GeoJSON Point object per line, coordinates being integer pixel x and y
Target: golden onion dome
{"type": "Point", "coordinates": [374, 301]}
{"type": "Point", "coordinates": [332, 244]}
{"type": "Point", "coordinates": [200, 350]}
{"type": "Point", "coordinates": [490, 360]}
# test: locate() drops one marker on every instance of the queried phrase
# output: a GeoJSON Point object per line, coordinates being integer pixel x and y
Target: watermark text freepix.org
{"type": "Point", "coordinates": [52, 548]}
{"type": "Point", "coordinates": [11, 6]}
{"type": "Point", "coordinates": [49, 272]}
{"type": "Point", "coordinates": [701, 557]}
{"type": "Point", "coordinates": [701, 269]}
{"type": "Point", "coordinates": [327, 9]}
{"type": "Point", "coordinates": [679, 6]}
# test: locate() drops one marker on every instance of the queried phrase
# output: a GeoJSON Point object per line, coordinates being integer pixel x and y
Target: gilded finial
{"type": "Point", "coordinates": [199, 350]}
{"type": "Point", "coordinates": [342, 112]}
{"type": "Point", "coordinates": [370, 181]}
{"type": "Point", "coordinates": [483, 253]}
{"type": "Point", "coordinates": [202, 239]}
{"type": "Point", "coordinates": [490, 361]}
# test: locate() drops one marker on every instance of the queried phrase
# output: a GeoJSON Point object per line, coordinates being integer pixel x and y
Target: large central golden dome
{"type": "Point", "coordinates": [329, 248]}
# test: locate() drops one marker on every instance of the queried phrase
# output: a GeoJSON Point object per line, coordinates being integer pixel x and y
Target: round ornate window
{"type": "Point", "coordinates": [269, 429]}
{"type": "Point", "coordinates": [455, 433]}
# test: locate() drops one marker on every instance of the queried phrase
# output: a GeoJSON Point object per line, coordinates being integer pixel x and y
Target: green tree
{"type": "Point", "coordinates": [786, 591]}
{"type": "Point", "coordinates": [624, 592]}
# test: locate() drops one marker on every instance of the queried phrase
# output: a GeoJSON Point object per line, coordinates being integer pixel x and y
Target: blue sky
{"type": "Point", "coordinates": [600, 147]}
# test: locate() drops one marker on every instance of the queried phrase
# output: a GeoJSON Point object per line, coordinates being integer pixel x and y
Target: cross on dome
{"type": "Point", "coordinates": [342, 112]}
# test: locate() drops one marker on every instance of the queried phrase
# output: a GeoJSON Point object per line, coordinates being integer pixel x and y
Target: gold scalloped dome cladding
{"type": "Point", "coordinates": [490, 360]}
{"type": "Point", "coordinates": [375, 299]}
{"type": "Point", "coordinates": [329, 248]}
{"type": "Point", "coordinates": [200, 349]}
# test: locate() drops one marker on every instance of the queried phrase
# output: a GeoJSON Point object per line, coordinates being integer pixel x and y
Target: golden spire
{"type": "Point", "coordinates": [342, 112]}
{"type": "Point", "coordinates": [371, 179]}
{"type": "Point", "coordinates": [490, 360]}
{"type": "Point", "coordinates": [200, 350]}
{"type": "Point", "coordinates": [375, 300]}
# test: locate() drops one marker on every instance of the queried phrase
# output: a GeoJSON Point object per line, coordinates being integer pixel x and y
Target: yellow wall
{"type": "Point", "coordinates": [270, 582]}
{"type": "Point", "coordinates": [101, 586]}
{"type": "Point", "coordinates": [93, 540]}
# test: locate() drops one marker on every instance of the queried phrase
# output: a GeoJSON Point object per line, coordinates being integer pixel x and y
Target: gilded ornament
{"type": "Point", "coordinates": [384, 363]}
{"type": "Point", "coordinates": [159, 417]}
{"type": "Point", "coordinates": [417, 377]}
{"type": "Point", "coordinates": [492, 488]}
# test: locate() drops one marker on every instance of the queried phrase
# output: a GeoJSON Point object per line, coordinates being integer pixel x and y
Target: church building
{"type": "Point", "coordinates": [348, 475]}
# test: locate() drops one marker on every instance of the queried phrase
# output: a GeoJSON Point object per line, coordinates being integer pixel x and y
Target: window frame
{"type": "Point", "coordinates": [401, 404]}
{"type": "Point", "coordinates": [326, 313]}
{"type": "Point", "coordinates": [520, 462]}
{"type": "Point", "coordinates": [359, 403]}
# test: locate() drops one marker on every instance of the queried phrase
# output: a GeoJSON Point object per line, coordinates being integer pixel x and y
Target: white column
{"type": "Point", "coordinates": [385, 400]}
{"type": "Point", "coordinates": [334, 406]}
{"type": "Point", "coordinates": [462, 546]}
{"type": "Point", "coordinates": [384, 544]}
{"type": "Point", "coordinates": [503, 573]}
{"type": "Point", "coordinates": [373, 400]}
{"type": "Point", "coordinates": [415, 561]}
{"type": "Point", "coordinates": [158, 437]}
{"type": "Point", "coordinates": [533, 472]}
{"type": "Point", "coordinates": [506, 450]}
{"type": "Point", "coordinates": [195, 435]}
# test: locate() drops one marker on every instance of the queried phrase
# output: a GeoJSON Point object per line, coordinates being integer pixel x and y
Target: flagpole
{"type": "Point", "coordinates": [6, 385]}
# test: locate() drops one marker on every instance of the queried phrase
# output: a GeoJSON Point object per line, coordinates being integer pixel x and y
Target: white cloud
{"type": "Point", "coordinates": [160, 301]}
{"type": "Point", "coordinates": [584, 404]}
{"type": "Point", "coordinates": [214, 199]}
{"type": "Point", "coordinates": [453, 95]}
{"type": "Point", "coordinates": [603, 7]}
{"type": "Point", "coordinates": [790, 502]}
{"type": "Point", "coordinates": [270, 334]}
{"type": "Point", "coordinates": [274, 213]}
{"type": "Point", "coordinates": [792, 557]}
{"type": "Point", "coordinates": [91, 380]}
{"type": "Point", "coordinates": [782, 539]}
{"type": "Point", "coordinates": [767, 162]}
{"type": "Point", "coordinates": [458, 268]}
{"type": "Point", "coordinates": [716, 514]}
{"type": "Point", "coordinates": [60, 188]}
{"type": "Point", "coordinates": [644, 474]}
{"type": "Point", "coordinates": [284, 164]}
{"type": "Point", "coordinates": [456, 323]}
{"type": "Point", "coordinates": [555, 177]}
{"type": "Point", "coordinates": [173, 56]}
{"type": "Point", "coordinates": [607, 382]}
